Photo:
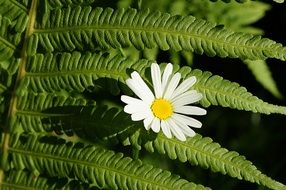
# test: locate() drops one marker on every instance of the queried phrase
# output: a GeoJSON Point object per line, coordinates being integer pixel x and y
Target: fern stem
{"type": "Point", "coordinates": [21, 74]}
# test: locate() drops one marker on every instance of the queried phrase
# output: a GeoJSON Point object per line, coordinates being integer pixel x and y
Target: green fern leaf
{"type": "Point", "coordinates": [73, 116]}
{"type": "Point", "coordinates": [76, 72]}
{"type": "Point", "coordinates": [8, 69]}
{"type": "Point", "coordinates": [206, 153]}
{"type": "Point", "coordinates": [83, 28]}
{"type": "Point", "coordinates": [2, 90]}
{"type": "Point", "coordinates": [35, 110]}
{"type": "Point", "coordinates": [263, 75]}
{"type": "Point", "coordinates": [10, 65]}
{"type": "Point", "coordinates": [64, 3]}
{"type": "Point", "coordinates": [279, 1]}
{"type": "Point", "coordinates": [26, 180]}
{"type": "Point", "coordinates": [13, 22]}
{"type": "Point", "coordinates": [15, 11]}
{"type": "Point", "coordinates": [7, 48]}
{"type": "Point", "coordinates": [245, 1]}
{"type": "Point", "coordinates": [234, 15]}
{"type": "Point", "coordinates": [91, 164]}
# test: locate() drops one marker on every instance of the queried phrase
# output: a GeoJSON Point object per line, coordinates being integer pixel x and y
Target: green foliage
{"type": "Point", "coordinates": [34, 109]}
{"type": "Point", "coordinates": [207, 154]}
{"type": "Point", "coordinates": [6, 47]}
{"type": "Point", "coordinates": [262, 74]}
{"type": "Point", "coordinates": [50, 73]}
{"type": "Point", "coordinates": [142, 29]}
{"type": "Point", "coordinates": [234, 15]}
{"type": "Point", "coordinates": [26, 180]}
{"type": "Point", "coordinates": [64, 65]}
{"type": "Point", "coordinates": [93, 164]}
{"type": "Point", "coordinates": [243, 1]}
{"type": "Point", "coordinates": [238, 17]}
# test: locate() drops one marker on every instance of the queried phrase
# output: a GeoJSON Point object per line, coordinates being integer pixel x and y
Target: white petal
{"type": "Point", "coordinates": [142, 84]}
{"type": "Point", "coordinates": [172, 85]}
{"type": "Point", "coordinates": [155, 125]}
{"type": "Point", "coordinates": [176, 130]}
{"type": "Point", "coordinates": [166, 75]}
{"type": "Point", "coordinates": [130, 100]}
{"type": "Point", "coordinates": [166, 129]}
{"type": "Point", "coordinates": [147, 122]}
{"type": "Point", "coordinates": [188, 97]}
{"type": "Point", "coordinates": [133, 108]}
{"type": "Point", "coordinates": [184, 86]}
{"type": "Point", "coordinates": [138, 116]}
{"type": "Point", "coordinates": [139, 91]}
{"type": "Point", "coordinates": [190, 110]}
{"type": "Point", "coordinates": [187, 120]}
{"type": "Point", "coordinates": [187, 130]}
{"type": "Point", "coordinates": [156, 79]}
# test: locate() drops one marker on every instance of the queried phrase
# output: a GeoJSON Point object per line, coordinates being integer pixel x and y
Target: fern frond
{"type": "Point", "coordinates": [10, 65]}
{"type": "Point", "coordinates": [233, 15]}
{"type": "Point", "coordinates": [25, 180]}
{"type": "Point", "coordinates": [92, 164]}
{"type": "Point", "coordinates": [245, 1]}
{"type": "Point", "coordinates": [262, 73]}
{"type": "Point", "coordinates": [83, 28]}
{"type": "Point", "coordinates": [2, 88]}
{"type": "Point", "coordinates": [204, 152]}
{"type": "Point", "coordinates": [35, 110]}
{"type": "Point", "coordinates": [64, 3]}
{"type": "Point", "coordinates": [76, 72]}
{"type": "Point", "coordinates": [279, 1]}
{"type": "Point", "coordinates": [8, 69]}
{"type": "Point", "coordinates": [7, 48]}
{"type": "Point", "coordinates": [15, 11]}
{"type": "Point", "coordinates": [74, 117]}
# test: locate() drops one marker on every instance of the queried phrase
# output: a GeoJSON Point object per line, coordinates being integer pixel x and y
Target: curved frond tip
{"type": "Point", "coordinates": [262, 73]}
{"type": "Point", "coordinates": [204, 152]}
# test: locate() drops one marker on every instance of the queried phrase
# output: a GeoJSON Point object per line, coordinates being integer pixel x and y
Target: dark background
{"type": "Point", "coordinates": [259, 137]}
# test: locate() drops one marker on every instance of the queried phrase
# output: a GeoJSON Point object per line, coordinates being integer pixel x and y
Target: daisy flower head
{"type": "Point", "coordinates": [166, 107]}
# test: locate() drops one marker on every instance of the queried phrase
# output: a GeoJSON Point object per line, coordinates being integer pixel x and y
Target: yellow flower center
{"type": "Point", "coordinates": [162, 109]}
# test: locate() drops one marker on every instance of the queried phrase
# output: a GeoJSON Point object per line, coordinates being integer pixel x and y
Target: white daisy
{"type": "Point", "coordinates": [167, 107]}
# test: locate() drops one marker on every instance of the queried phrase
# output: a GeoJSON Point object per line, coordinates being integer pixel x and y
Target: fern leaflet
{"type": "Point", "coordinates": [25, 180]}
{"type": "Point", "coordinates": [76, 72]}
{"type": "Point", "coordinates": [92, 164]}
{"type": "Point", "coordinates": [263, 75]}
{"type": "Point", "coordinates": [34, 110]}
{"type": "Point", "coordinates": [7, 48]}
{"type": "Point", "coordinates": [15, 11]}
{"type": "Point", "coordinates": [84, 28]}
{"type": "Point", "coordinates": [204, 152]}
{"type": "Point", "coordinates": [244, 1]}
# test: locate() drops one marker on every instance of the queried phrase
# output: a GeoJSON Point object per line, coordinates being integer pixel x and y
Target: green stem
{"type": "Point", "coordinates": [13, 102]}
